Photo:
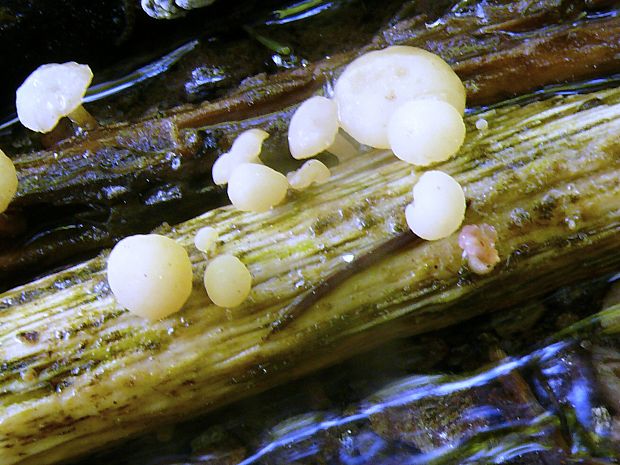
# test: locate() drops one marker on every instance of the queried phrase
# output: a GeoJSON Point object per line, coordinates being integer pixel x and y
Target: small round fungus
{"type": "Point", "coordinates": [227, 281]}
{"type": "Point", "coordinates": [374, 85]}
{"type": "Point", "coordinates": [314, 128]}
{"type": "Point", "coordinates": [245, 149]}
{"type": "Point", "coordinates": [438, 206]}
{"type": "Point", "coordinates": [312, 171]}
{"type": "Point", "coordinates": [482, 124]}
{"type": "Point", "coordinates": [51, 92]}
{"type": "Point", "coordinates": [150, 275]}
{"type": "Point", "coordinates": [425, 131]}
{"type": "Point", "coordinates": [256, 188]}
{"type": "Point", "coordinates": [206, 239]}
{"type": "Point", "coordinates": [8, 181]}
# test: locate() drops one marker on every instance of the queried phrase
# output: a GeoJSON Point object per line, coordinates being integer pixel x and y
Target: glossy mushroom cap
{"type": "Point", "coordinates": [51, 92]}
{"type": "Point", "coordinates": [313, 127]}
{"type": "Point", "coordinates": [374, 85]}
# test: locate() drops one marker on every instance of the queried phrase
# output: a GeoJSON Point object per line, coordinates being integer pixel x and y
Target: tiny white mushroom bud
{"type": "Point", "coordinates": [222, 168]}
{"type": "Point", "coordinates": [8, 181]}
{"type": "Point", "coordinates": [51, 92]}
{"type": "Point", "coordinates": [374, 85]}
{"type": "Point", "coordinates": [312, 171]}
{"type": "Point", "coordinates": [482, 124]}
{"type": "Point", "coordinates": [206, 239]}
{"type": "Point", "coordinates": [438, 206]}
{"type": "Point", "coordinates": [245, 149]}
{"type": "Point", "coordinates": [150, 275]}
{"type": "Point", "coordinates": [227, 281]}
{"type": "Point", "coordinates": [425, 131]}
{"type": "Point", "coordinates": [256, 188]}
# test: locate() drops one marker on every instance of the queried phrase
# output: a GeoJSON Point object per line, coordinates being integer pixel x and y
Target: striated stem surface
{"type": "Point", "coordinates": [77, 372]}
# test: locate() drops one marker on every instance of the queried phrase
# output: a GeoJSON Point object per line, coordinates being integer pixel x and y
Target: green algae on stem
{"type": "Point", "coordinates": [205, 356]}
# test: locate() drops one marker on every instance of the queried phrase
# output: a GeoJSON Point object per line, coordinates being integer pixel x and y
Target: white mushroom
{"type": "Point", "coordinates": [51, 92]}
{"type": "Point", "coordinates": [227, 281]}
{"type": "Point", "coordinates": [206, 239]}
{"type": "Point", "coordinates": [438, 206]}
{"type": "Point", "coordinates": [374, 85]}
{"type": "Point", "coordinates": [482, 124]}
{"type": "Point", "coordinates": [425, 131]}
{"type": "Point", "coordinates": [150, 275]}
{"type": "Point", "coordinates": [8, 181]}
{"type": "Point", "coordinates": [314, 129]}
{"type": "Point", "coordinates": [312, 171]}
{"type": "Point", "coordinates": [256, 188]}
{"type": "Point", "coordinates": [245, 149]}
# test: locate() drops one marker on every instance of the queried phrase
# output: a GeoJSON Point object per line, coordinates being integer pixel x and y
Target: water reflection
{"type": "Point", "coordinates": [542, 408]}
{"type": "Point", "coordinates": [495, 416]}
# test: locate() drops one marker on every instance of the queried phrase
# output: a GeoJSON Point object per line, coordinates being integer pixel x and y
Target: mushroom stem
{"type": "Point", "coordinates": [83, 118]}
{"type": "Point", "coordinates": [342, 148]}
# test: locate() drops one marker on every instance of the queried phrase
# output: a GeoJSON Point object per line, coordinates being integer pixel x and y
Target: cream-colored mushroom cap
{"type": "Point", "coordinates": [8, 181]}
{"type": "Point", "coordinates": [313, 127]}
{"type": "Point", "coordinates": [256, 188]}
{"type": "Point", "coordinates": [206, 239]}
{"type": "Point", "coordinates": [311, 172]}
{"type": "Point", "coordinates": [425, 131]}
{"type": "Point", "coordinates": [374, 85]}
{"type": "Point", "coordinates": [51, 92]}
{"type": "Point", "coordinates": [150, 275]}
{"type": "Point", "coordinates": [245, 149]}
{"type": "Point", "coordinates": [227, 281]}
{"type": "Point", "coordinates": [438, 206]}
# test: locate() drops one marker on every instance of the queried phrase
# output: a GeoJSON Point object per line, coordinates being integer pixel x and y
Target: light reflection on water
{"type": "Point", "coordinates": [535, 409]}
{"type": "Point", "coordinates": [490, 433]}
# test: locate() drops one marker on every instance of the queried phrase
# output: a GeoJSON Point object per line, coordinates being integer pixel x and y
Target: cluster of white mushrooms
{"type": "Point", "coordinates": [410, 101]}
{"type": "Point", "coordinates": [151, 275]}
{"type": "Point", "coordinates": [401, 98]}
